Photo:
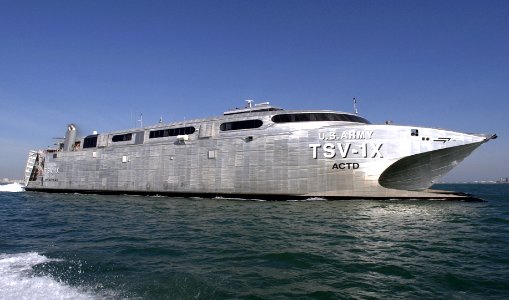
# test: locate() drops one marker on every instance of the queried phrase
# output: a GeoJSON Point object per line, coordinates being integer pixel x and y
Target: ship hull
{"type": "Point", "coordinates": [279, 161]}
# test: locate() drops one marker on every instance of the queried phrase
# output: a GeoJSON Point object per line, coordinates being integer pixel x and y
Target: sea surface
{"type": "Point", "coordinates": [72, 246]}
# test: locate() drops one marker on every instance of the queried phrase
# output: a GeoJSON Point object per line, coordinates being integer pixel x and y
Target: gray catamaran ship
{"type": "Point", "coordinates": [259, 151]}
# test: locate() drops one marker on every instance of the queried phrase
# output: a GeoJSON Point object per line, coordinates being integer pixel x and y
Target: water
{"type": "Point", "coordinates": [72, 246]}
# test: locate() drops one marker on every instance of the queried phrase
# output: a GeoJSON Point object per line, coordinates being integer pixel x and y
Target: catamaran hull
{"type": "Point", "coordinates": [277, 162]}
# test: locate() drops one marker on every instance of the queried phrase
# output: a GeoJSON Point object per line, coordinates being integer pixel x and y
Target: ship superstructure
{"type": "Point", "coordinates": [258, 151]}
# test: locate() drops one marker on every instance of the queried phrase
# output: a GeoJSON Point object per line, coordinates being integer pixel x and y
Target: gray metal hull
{"type": "Point", "coordinates": [300, 160]}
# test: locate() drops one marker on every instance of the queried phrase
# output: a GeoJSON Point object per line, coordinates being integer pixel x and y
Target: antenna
{"type": "Point", "coordinates": [249, 103]}
{"type": "Point", "coordinates": [141, 120]}
{"type": "Point", "coordinates": [355, 106]}
{"type": "Point", "coordinates": [161, 119]}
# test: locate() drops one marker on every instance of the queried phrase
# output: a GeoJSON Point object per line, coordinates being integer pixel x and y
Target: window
{"type": "Point", "coordinates": [317, 117]}
{"type": "Point", "coordinates": [122, 137]}
{"type": "Point", "coordinates": [414, 132]}
{"type": "Point", "coordinates": [171, 132]}
{"type": "Point", "coordinates": [90, 141]}
{"type": "Point", "coordinates": [237, 125]}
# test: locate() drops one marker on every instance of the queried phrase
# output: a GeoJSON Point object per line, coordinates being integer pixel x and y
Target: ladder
{"type": "Point", "coordinates": [32, 157]}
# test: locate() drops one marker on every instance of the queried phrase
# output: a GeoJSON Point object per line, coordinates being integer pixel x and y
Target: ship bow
{"type": "Point", "coordinates": [418, 172]}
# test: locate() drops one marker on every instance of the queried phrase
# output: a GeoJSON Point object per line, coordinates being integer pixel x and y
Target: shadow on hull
{"type": "Point", "coordinates": [417, 172]}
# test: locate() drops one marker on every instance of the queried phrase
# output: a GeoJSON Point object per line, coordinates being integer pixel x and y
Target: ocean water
{"type": "Point", "coordinates": [71, 246]}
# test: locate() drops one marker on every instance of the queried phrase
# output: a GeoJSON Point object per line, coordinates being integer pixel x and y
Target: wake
{"type": "Point", "coordinates": [12, 188]}
{"type": "Point", "coordinates": [17, 280]}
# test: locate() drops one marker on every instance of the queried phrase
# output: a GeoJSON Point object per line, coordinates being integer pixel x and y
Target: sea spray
{"type": "Point", "coordinates": [12, 187]}
{"type": "Point", "coordinates": [18, 281]}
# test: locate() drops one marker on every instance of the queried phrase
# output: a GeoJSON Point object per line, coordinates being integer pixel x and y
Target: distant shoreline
{"type": "Point", "coordinates": [474, 182]}
{"type": "Point", "coordinates": [9, 181]}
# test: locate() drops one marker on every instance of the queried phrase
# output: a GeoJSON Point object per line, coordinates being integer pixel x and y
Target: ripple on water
{"type": "Point", "coordinates": [162, 247]}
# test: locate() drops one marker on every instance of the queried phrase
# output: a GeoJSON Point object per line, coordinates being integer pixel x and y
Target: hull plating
{"type": "Point", "coordinates": [308, 159]}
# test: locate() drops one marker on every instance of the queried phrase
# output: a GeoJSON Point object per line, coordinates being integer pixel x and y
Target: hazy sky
{"type": "Point", "coordinates": [100, 63]}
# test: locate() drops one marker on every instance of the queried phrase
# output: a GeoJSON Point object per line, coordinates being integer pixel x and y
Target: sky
{"type": "Point", "coordinates": [100, 64]}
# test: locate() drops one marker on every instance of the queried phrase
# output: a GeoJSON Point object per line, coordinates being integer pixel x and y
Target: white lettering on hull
{"type": "Point", "coordinates": [51, 170]}
{"type": "Point", "coordinates": [346, 135]}
{"type": "Point", "coordinates": [364, 150]}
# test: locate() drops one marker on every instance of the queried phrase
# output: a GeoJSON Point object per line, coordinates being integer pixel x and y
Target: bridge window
{"type": "Point", "coordinates": [238, 125]}
{"type": "Point", "coordinates": [414, 132]}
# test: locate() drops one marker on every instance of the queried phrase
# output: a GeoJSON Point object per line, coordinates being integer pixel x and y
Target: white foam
{"type": "Point", "coordinates": [316, 199]}
{"type": "Point", "coordinates": [307, 199]}
{"type": "Point", "coordinates": [17, 280]}
{"type": "Point", "coordinates": [13, 187]}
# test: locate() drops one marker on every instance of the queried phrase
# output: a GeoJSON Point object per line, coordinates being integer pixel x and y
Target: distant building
{"type": "Point", "coordinates": [7, 181]}
{"type": "Point", "coordinates": [503, 180]}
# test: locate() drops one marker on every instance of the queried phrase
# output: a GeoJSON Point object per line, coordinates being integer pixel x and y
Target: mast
{"type": "Point", "coordinates": [355, 106]}
{"type": "Point", "coordinates": [141, 120]}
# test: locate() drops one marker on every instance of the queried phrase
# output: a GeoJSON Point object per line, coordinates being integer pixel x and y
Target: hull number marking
{"type": "Point", "coordinates": [331, 150]}
{"type": "Point", "coordinates": [51, 170]}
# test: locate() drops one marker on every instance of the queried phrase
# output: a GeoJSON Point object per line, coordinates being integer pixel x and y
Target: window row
{"type": "Point", "coordinates": [314, 117]}
{"type": "Point", "coordinates": [237, 125]}
{"type": "Point", "coordinates": [171, 132]}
